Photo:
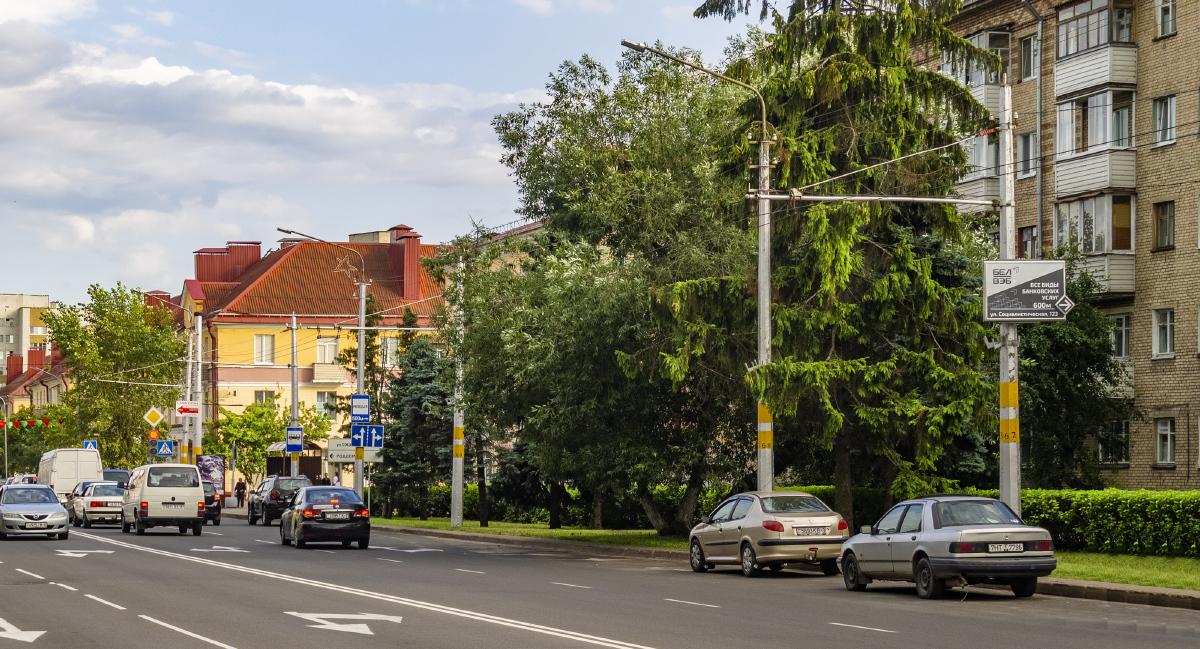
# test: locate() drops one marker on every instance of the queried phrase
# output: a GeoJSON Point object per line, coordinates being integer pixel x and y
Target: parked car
{"type": "Point", "coordinates": [31, 509]}
{"type": "Point", "coordinates": [333, 514]}
{"type": "Point", "coordinates": [272, 497]}
{"type": "Point", "coordinates": [212, 503]}
{"type": "Point", "coordinates": [163, 495]}
{"type": "Point", "coordinates": [63, 468]}
{"type": "Point", "coordinates": [947, 540]}
{"type": "Point", "coordinates": [99, 503]}
{"type": "Point", "coordinates": [74, 495]}
{"type": "Point", "coordinates": [768, 528]}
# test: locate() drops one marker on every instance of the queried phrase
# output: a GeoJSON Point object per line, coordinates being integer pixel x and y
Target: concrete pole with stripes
{"type": "Point", "coordinates": [1010, 426]}
{"type": "Point", "coordinates": [198, 388]}
{"type": "Point", "coordinates": [766, 425]}
{"type": "Point", "coordinates": [295, 397]}
{"type": "Point", "coordinates": [458, 442]}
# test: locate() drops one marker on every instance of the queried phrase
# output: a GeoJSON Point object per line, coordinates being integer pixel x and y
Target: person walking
{"type": "Point", "coordinates": [239, 490]}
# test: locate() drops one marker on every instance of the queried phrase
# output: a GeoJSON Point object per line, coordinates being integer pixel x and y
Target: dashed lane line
{"type": "Point", "coordinates": [559, 583]}
{"type": "Point", "coordinates": [262, 541]}
{"type": "Point", "coordinates": [392, 560]}
{"type": "Point", "coordinates": [65, 586]}
{"type": "Point", "coordinates": [30, 574]}
{"type": "Point", "coordinates": [865, 628]}
{"type": "Point", "coordinates": [684, 601]}
{"type": "Point", "coordinates": [186, 632]}
{"type": "Point", "coordinates": [105, 602]}
{"type": "Point", "coordinates": [471, 571]}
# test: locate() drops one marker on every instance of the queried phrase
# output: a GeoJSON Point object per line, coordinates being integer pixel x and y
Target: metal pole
{"type": "Point", "coordinates": [1010, 430]}
{"type": "Point", "coordinates": [198, 386]}
{"type": "Point", "coordinates": [362, 322]}
{"type": "Point", "coordinates": [187, 390]}
{"type": "Point", "coordinates": [295, 396]}
{"type": "Point", "coordinates": [456, 481]}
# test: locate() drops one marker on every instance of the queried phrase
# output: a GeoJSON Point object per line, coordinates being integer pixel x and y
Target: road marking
{"type": "Point", "coordinates": [472, 571]}
{"type": "Point", "coordinates": [262, 541]}
{"type": "Point", "coordinates": [379, 547]}
{"type": "Point", "coordinates": [13, 633]}
{"type": "Point", "coordinates": [78, 554]}
{"type": "Point", "coordinates": [865, 628]}
{"type": "Point", "coordinates": [404, 601]}
{"type": "Point", "coordinates": [65, 586]}
{"type": "Point", "coordinates": [216, 534]}
{"type": "Point", "coordinates": [684, 601]}
{"type": "Point", "coordinates": [348, 628]}
{"type": "Point", "coordinates": [220, 548]}
{"type": "Point", "coordinates": [30, 574]}
{"type": "Point", "coordinates": [329, 551]}
{"type": "Point", "coordinates": [186, 632]}
{"type": "Point", "coordinates": [559, 583]}
{"type": "Point", "coordinates": [105, 602]}
{"type": "Point", "coordinates": [392, 560]}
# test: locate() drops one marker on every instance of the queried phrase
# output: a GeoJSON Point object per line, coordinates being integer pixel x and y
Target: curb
{"type": "Point", "coordinates": [1074, 588]}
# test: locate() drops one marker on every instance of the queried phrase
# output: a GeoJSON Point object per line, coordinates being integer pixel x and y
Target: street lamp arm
{"type": "Point", "coordinates": [362, 262]}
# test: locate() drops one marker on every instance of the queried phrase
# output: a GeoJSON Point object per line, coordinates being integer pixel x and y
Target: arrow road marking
{"type": "Point", "coordinates": [13, 633]}
{"type": "Point", "coordinates": [220, 548]}
{"type": "Point", "coordinates": [81, 553]}
{"type": "Point", "coordinates": [323, 619]}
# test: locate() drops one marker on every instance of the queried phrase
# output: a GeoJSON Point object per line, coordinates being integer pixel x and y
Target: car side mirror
{"type": "Point", "coordinates": [122, 485]}
{"type": "Point", "coordinates": [706, 519]}
{"type": "Point", "coordinates": [867, 529]}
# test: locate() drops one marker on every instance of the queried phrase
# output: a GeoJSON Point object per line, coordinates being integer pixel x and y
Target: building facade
{"type": "Point", "coordinates": [22, 329]}
{"type": "Point", "coordinates": [1105, 93]}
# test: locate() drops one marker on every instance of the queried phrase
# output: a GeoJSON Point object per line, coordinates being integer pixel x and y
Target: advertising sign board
{"type": "Point", "coordinates": [1021, 290]}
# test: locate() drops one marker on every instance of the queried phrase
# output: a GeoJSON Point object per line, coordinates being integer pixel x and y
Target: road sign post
{"type": "Point", "coordinates": [295, 444]}
{"type": "Point", "coordinates": [91, 445]}
{"type": "Point", "coordinates": [166, 447]}
{"type": "Point", "coordinates": [360, 413]}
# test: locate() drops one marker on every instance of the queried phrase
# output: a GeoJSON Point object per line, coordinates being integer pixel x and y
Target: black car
{"type": "Point", "coordinates": [212, 503]}
{"type": "Point", "coordinates": [272, 497]}
{"type": "Point", "coordinates": [325, 514]}
{"type": "Point", "coordinates": [116, 475]}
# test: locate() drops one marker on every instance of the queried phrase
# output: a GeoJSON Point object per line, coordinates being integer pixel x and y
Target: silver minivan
{"type": "Point", "coordinates": [163, 495]}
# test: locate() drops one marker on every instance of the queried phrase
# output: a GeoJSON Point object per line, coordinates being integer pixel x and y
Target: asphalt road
{"type": "Point", "coordinates": [237, 587]}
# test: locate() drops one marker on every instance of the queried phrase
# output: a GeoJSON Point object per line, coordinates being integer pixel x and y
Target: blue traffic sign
{"type": "Point", "coordinates": [366, 436]}
{"type": "Point", "coordinates": [166, 448]}
{"type": "Point", "coordinates": [295, 440]}
{"type": "Point", "coordinates": [360, 408]}
{"type": "Point", "coordinates": [90, 445]}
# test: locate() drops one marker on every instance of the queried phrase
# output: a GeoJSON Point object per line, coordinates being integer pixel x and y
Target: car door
{"type": "Point", "coordinates": [710, 537]}
{"type": "Point", "coordinates": [905, 540]}
{"type": "Point", "coordinates": [731, 530]}
{"type": "Point", "coordinates": [287, 519]}
{"type": "Point", "coordinates": [875, 555]}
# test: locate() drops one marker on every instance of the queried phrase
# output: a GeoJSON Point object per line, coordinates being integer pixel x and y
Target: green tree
{"type": "Point", "coordinates": [125, 358]}
{"type": "Point", "coordinates": [26, 444]}
{"type": "Point", "coordinates": [257, 427]}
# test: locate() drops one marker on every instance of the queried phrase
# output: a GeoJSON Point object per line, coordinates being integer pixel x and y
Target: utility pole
{"type": "Point", "coordinates": [187, 394]}
{"type": "Point", "coordinates": [362, 338]}
{"type": "Point", "coordinates": [295, 396]}
{"type": "Point", "coordinates": [456, 481]}
{"type": "Point", "coordinates": [198, 386]}
{"type": "Point", "coordinates": [1010, 429]}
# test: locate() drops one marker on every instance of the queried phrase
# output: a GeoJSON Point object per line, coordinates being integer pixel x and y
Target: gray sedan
{"type": "Point", "coordinates": [945, 540]}
{"type": "Point", "coordinates": [31, 509]}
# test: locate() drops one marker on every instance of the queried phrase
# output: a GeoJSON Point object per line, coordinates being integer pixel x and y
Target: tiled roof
{"type": "Point", "coordinates": [19, 387]}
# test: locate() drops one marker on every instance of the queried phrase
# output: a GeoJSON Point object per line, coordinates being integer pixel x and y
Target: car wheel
{"type": "Point", "coordinates": [87, 522]}
{"type": "Point", "coordinates": [217, 521]}
{"type": "Point", "coordinates": [346, 544]}
{"type": "Point", "coordinates": [750, 566]}
{"type": "Point", "coordinates": [696, 557]}
{"type": "Point", "coordinates": [3, 536]}
{"type": "Point", "coordinates": [829, 567]}
{"type": "Point", "coordinates": [850, 573]}
{"type": "Point", "coordinates": [183, 529]}
{"type": "Point", "coordinates": [124, 525]}
{"type": "Point", "coordinates": [283, 539]}
{"type": "Point", "coordinates": [75, 521]}
{"type": "Point", "coordinates": [300, 544]}
{"type": "Point", "coordinates": [363, 544]}
{"type": "Point", "coordinates": [197, 529]}
{"type": "Point", "coordinates": [928, 586]}
{"type": "Point", "coordinates": [139, 528]}
{"type": "Point", "coordinates": [251, 517]}
{"type": "Point", "coordinates": [1025, 587]}
{"type": "Point", "coordinates": [63, 536]}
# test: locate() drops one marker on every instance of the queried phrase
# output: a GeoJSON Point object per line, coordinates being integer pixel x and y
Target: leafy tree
{"type": "Point", "coordinates": [256, 428]}
{"type": "Point", "coordinates": [26, 444]}
{"type": "Point", "coordinates": [116, 337]}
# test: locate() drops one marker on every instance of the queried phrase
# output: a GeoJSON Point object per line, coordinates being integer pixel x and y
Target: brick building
{"type": "Point", "coordinates": [1105, 93]}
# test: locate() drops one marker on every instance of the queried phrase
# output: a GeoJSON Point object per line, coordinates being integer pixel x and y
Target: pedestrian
{"type": "Point", "coordinates": [240, 491]}
{"type": "Point", "coordinates": [337, 479]}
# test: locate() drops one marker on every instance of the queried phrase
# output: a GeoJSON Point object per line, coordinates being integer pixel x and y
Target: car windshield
{"type": "Point", "coordinates": [174, 477]}
{"type": "Point", "coordinates": [209, 489]}
{"type": "Point", "coordinates": [116, 474]}
{"type": "Point", "coordinates": [793, 505]}
{"type": "Point", "coordinates": [331, 497]}
{"type": "Point", "coordinates": [292, 484]}
{"type": "Point", "coordinates": [975, 512]}
{"type": "Point", "coordinates": [29, 497]}
{"type": "Point", "coordinates": [107, 490]}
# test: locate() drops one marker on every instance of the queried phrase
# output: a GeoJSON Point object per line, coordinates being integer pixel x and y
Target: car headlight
{"type": "Point", "coordinates": [12, 517]}
{"type": "Point", "coordinates": [58, 515]}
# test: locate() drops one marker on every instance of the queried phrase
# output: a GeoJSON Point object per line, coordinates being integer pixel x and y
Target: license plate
{"type": "Point", "coordinates": [337, 516]}
{"type": "Point", "coordinates": [811, 531]}
{"type": "Point", "coordinates": [172, 505]}
{"type": "Point", "coordinates": [1006, 547]}
{"type": "Point", "coordinates": [35, 526]}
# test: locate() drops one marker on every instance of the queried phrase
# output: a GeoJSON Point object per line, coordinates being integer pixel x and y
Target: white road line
{"type": "Point", "coordinates": [684, 601]}
{"type": "Point", "coordinates": [105, 602]}
{"type": "Point", "coordinates": [473, 571]}
{"type": "Point", "coordinates": [865, 628]}
{"type": "Point", "coordinates": [215, 533]}
{"type": "Point", "coordinates": [30, 573]}
{"type": "Point", "coordinates": [186, 632]}
{"type": "Point", "coordinates": [66, 586]}
{"type": "Point", "coordinates": [404, 601]}
{"type": "Point", "coordinates": [329, 551]}
{"type": "Point", "coordinates": [262, 541]}
{"type": "Point", "coordinates": [392, 560]}
{"type": "Point", "coordinates": [559, 583]}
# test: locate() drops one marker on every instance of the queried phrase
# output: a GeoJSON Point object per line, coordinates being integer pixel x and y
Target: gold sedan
{"type": "Point", "coordinates": [769, 529]}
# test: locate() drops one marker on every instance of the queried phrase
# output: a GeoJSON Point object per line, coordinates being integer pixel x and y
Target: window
{"type": "Point", "coordinates": [912, 519]}
{"type": "Point", "coordinates": [973, 73]}
{"type": "Point", "coordinates": [1092, 24]}
{"type": "Point", "coordinates": [7, 338]}
{"type": "Point", "coordinates": [1164, 332]}
{"type": "Point", "coordinates": [263, 396]}
{"type": "Point", "coordinates": [723, 512]}
{"type": "Point", "coordinates": [1120, 335]}
{"type": "Point", "coordinates": [264, 349]}
{"type": "Point", "coordinates": [1164, 224]}
{"type": "Point", "coordinates": [1165, 18]}
{"type": "Point", "coordinates": [1166, 440]}
{"type": "Point", "coordinates": [1164, 120]}
{"type": "Point", "coordinates": [1114, 447]}
{"type": "Point", "coordinates": [1030, 58]}
{"type": "Point", "coordinates": [983, 156]}
{"type": "Point", "coordinates": [53, 398]}
{"type": "Point", "coordinates": [1100, 121]}
{"type": "Point", "coordinates": [37, 331]}
{"type": "Point", "coordinates": [1027, 243]}
{"type": "Point", "coordinates": [1122, 222]}
{"type": "Point", "coordinates": [388, 348]}
{"type": "Point", "coordinates": [327, 349]}
{"type": "Point", "coordinates": [1026, 154]}
{"type": "Point", "coordinates": [1096, 225]}
{"type": "Point", "coordinates": [742, 508]}
{"type": "Point", "coordinates": [890, 521]}
{"type": "Point", "coordinates": [327, 402]}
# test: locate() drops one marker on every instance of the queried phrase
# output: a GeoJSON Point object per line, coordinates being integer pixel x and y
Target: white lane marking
{"type": "Point", "coordinates": [216, 534]}
{"type": "Point", "coordinates": [865, 628]}
{"type": "Point", "coordinates": [380, 547]}
{"type": "Point", "coordinates": [65, 586]}
{"type": "Point", "coordinates": [262, 541]}
{"type": "Point", "coordinates": [405, 601]}
{"type": "Point", "coordinates": [392, 560]}
{"type": "Point", "coordinates": [471, 571]}
{"type": "Point", "coordinates": [559, 583]}
{"type": "Point", "coordinates": [30, 573]}
{"type": "Point", "coordinates": [186, 632]}
{"type": "Point", "coordinates": [13, 633]}
{"type": "Point", "coordinates": [329, 551]}
{"type": "Point", "coordinates": [220, 548]}
{"type": "Point", "coordinates": [105, 602]}
{"type": "Point", "coordinates": [684, 601]}
{"type": "Point", "coordinates": [81, 553]}
{"type": "Point", "coordinates": [324, 618]}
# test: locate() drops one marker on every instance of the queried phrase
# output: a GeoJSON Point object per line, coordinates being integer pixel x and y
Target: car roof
{"type": "Point", "coordinates": [949, 497]}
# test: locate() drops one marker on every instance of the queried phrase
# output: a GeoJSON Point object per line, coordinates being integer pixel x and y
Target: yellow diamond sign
{"type": "Point", "coordinates": [153, 416]}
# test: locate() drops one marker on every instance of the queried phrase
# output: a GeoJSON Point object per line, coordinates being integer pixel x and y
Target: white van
{"type": "Point", "coordinates": [63, 468]}
{"type": "Point", "coordinates": [163, 495]}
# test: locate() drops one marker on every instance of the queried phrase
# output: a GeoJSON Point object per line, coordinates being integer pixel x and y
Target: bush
{"type": "Point", "coordinates": [1164, 523]}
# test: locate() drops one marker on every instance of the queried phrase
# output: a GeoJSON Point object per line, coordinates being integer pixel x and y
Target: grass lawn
{"type": "Point", "coordinates": [648, 538]}
{"type": "Point", "coordinates": [1165, 572]}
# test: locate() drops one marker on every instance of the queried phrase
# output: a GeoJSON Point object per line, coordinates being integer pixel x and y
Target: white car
{"type": "Point", "coordinates": [31, 509]}
{"type": "Point", "coordinates": [100, 502]}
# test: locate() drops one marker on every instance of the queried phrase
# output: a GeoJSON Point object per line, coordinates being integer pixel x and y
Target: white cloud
{"type": "Point", "coordinates": [227, 56]}
{"type": "Point", "coordinates": [45, 12]}
{"type": "Point", "coordinates": [539, 7]}
{"type": "Point", "coordinates": [134, 34]}
{"type": "Point", "coordinates": [162, 17]}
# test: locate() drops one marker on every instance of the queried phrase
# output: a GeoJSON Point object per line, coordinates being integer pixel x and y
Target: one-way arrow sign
{"type": "Point", "coordinates": [323, 619]}
{"type": "Point", "coordinates": [13, 633]}
{"type": "Point", "coordinates": [81, 553]}
{"type": "Point", "coordinates": [219, 548]}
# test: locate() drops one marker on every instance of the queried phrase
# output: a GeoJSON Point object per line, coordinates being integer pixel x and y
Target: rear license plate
{"type": "Point", "coordinates": [337, 516]}
{"type": "Point", "coordinates": [172, 505]}
{"type": "Point", "coordinates": [811, 531]}
{"type": "Point", "coordinates": [35, 526]}
{"type": "Point", "coordinates": [1006, 547]}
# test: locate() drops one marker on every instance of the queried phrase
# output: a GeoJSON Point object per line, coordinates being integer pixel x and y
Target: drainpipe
{"type": "Point", "coordinates": [1040, 175]}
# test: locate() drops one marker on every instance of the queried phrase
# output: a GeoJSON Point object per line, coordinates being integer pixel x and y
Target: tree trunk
{"type": "Point", "coordinates": [555, 521]}
{"type": "Point", "coordinates": [481, 482]}
{"type": "Point", "coordinates": [687, 506]}
{"type": "Point", "coordinates": [656, 519]}
{"type": "Point", "coordinates": [423, 502]}
{"type": "Point", "coordinates": [890, 471]}
{"type": "Point", "coordinates": [843, 491]}
{"type": "Point", "coordinates": [597, 508]}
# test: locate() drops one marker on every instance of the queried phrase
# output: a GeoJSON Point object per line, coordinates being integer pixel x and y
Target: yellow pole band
{"type": "Point", "coordinates": [764, 415]}
{"type": "Point", "coordinates": [1008, 394]}
{"type": "Point", "coordinates": [1010, 430]}
{"type": "Point", "coordinates": [766, 439]}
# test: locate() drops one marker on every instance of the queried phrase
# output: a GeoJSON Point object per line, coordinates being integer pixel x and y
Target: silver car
{"type": "Point", "coordinates": [949, 540]}
{"type": "Point", "coordinates": [31, 509]}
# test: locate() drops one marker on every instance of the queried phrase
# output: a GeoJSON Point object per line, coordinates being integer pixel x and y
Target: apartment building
{"type": "Point", "coordinates": [21, 329]}
{"type": "Point", "coordinates": [1105, 93]}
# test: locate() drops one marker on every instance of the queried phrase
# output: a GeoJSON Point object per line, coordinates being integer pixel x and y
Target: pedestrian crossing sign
{"type": "Point", "coordinates": [90, 445]}
{"type": "Point", "coordinates": [166, 448]}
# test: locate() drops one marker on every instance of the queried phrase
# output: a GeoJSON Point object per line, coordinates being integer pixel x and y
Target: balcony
{"type": "Point", "coordinates": [1115, 63]}
{"type": "Point", "coordinates": [1093, 171]}
{"type": "Point", "coordinates": [978, 187]}
{"type": "Point", "coordinates": [989, 96]}
{"type": "Point", "coordinates": [1114, 270]}
{"type": "Point", "coordinates": [329, 373]}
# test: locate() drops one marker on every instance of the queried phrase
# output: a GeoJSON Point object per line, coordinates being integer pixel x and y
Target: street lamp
{"type": "Point", "coordinates": [766, 441]}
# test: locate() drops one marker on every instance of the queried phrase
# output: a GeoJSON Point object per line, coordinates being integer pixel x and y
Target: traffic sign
{"type": "Point", "coordinates": [367, 436]}
{"type": "Point", "coordinates": [295, 440]}
{"type": "Point", "coordinates": [166, 448]}
{"type": "Point", "coordinates": [153, 416]}
{"type": "Point", "coordinates": [360, 408]}
{"type": "Point", "coordinates": [342, 452]}
{"type": "Point", "coordinates": [187, 408]}
{"type": "Point", "coordinates": [1025, 291]}
{"type": "Point", "coordinates": [90, 445]}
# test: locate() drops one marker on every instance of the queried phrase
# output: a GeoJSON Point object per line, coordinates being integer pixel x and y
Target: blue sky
{"type": "Point", "coordinates": [137, 132]}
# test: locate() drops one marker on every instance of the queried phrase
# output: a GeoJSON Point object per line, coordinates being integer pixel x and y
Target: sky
{"type": "Point", "coordinates": [133, 133]}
